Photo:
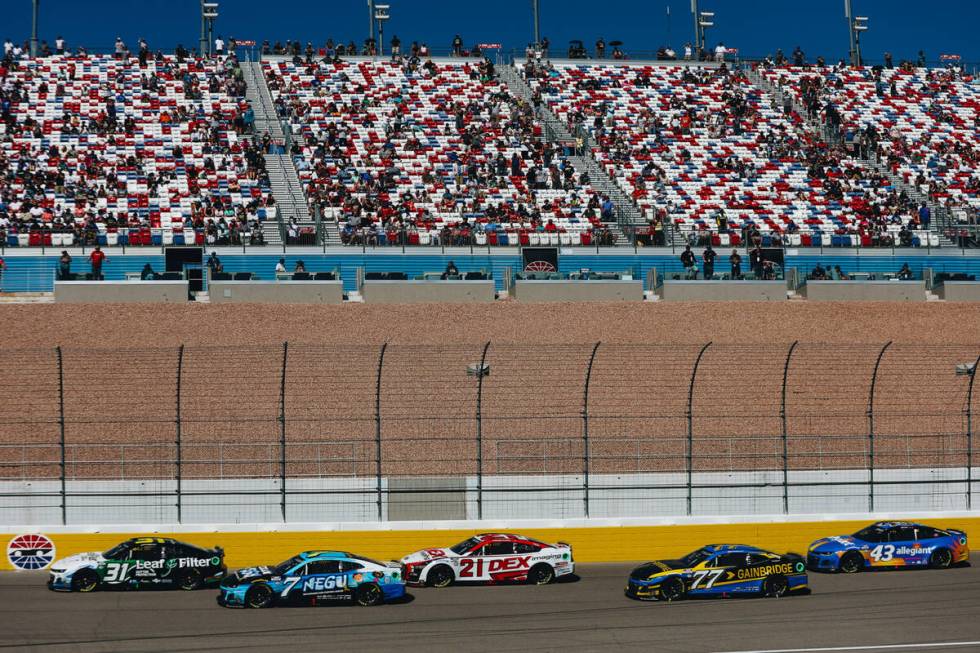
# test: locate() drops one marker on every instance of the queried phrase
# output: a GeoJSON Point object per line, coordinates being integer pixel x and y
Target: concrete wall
{"type": "Point", "coordinates": [420, 292]}
{"type": "Point", "coordinates": [865, 291]}
{"type": "Point", "coordinates": [578, 291]}
{"type": "Point", "coordinates": [124, 292]}
{"type": "Point", "coordinates": [276, 292]}
{"type": "Point", "coordinates": [959, 291]}
{"type": "Point", "coordinates": [723, 291]}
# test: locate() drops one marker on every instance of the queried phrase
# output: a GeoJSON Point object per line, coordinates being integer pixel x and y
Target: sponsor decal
{"type": "Point", "coordinates": [766, 570]}
{"type": "Point", "coordinates": [30, 552]}
{"type": "Point", "coordinates": [324, 583]}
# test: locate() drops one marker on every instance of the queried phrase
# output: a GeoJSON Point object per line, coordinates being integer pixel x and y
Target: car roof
{"type": "Point", "coordinates": [150, 540]}
{"type": "Point", "coordinates": [895, 524]}
{"type": "Point", "coordinates": [733, 548]}
{"type": "Point", "coordinates": [309, 555]}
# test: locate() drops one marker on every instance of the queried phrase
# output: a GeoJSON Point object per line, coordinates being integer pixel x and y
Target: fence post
{"type": "Point", "coordinates": [377, 428]}
{"type": "Point", "coordinates": [61, 432]}
{"type": "Point", "coordinates": [479, 432]}
{"type": "Point", "coordinates": [177, 428]}
{"type": "Point", "coordinates": [969, 436]}
{"type": "Point", "coordinates": [282, 431]}
{"type": "Point", "coordinates": [782, 416]}
{"type": "Point", "coordinates": [871, 429]}
{"type": "Point", "coordinates": [586, 453]}
{"type": "Point", "coordinates": [690, 427]}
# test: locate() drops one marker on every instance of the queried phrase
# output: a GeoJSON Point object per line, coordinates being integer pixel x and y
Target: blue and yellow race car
{"type": "Point", "coordinates": [314, 577]}
{"type": "Point", "coordinates": [889, 544]}
{"type": "Point", "coordinates": [719, 570]}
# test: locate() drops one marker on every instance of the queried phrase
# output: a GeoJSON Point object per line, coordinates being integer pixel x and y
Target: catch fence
{"type": "Point", "coordinates": [298, 432]}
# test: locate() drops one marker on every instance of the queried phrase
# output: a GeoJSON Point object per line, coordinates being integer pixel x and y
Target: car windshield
{"type": "Point", "coordinates": [465, 546]}
{"type": "Point", "coordinates": [283, 567]}
{"type": "Point", "coordinates": [695, 557]}
{"type": "Point", "coordinates": [873, 533]}
{"type": "Point", "coordinates": [117, 552]}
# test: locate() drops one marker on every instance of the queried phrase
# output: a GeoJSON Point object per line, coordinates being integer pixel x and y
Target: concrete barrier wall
{"type": "Point", "coordinates": [578, 291]}
{"type": "Point", "coordinates": [276, 292]}
{"type": "Point", "coordinates": [723, 291]}
{"type": "Point", "coordinates": [959, 291]}
{"type": "Point", "coordinates": [865, 291]}
{"type": "Point", "coordinates": [120, 292]}
{"type": "Point", "coordinates": [424, 292]}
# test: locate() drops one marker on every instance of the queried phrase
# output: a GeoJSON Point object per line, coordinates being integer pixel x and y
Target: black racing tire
{"type": "Point", "coordinates": [188, 579]}
{"type": "Point", "coordinates": [851, 563]}
{"type": "Point", "coordinates": [541, 574]}
{"type": "Point", "coordinates": [775, 586]}
{"type": "Point", "coordinates": [941, 559]}
{"type": "Point", "coordinates": [440, 576]}
{"type": "Point", "coordinates": [84, 580]}
{"type": "Point", "coordinates": [368, 595]}
{"type": "Point", "coordinates": [672, 589]}
{"type": "Point", "coordinates": [258, 596]}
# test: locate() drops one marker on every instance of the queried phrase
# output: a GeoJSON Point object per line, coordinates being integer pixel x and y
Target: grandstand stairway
{"type": "Point", "coordinates": [283, 178]}
{"type": "Point", "coordinates": [628, 213]}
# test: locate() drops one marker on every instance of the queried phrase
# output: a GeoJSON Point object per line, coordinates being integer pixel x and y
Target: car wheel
{"type": "Point", "coordinates": [189, 579]}
{"type": "Point", "coordinates": [941, 559]}
{"type": "Point", "coordinates": [440, 576]}
{"type": "Point", "coordinates": [85, 580]}
{"type": "Point", "coordinates": [775, 586]}
{"type": "Point", "coordinates": [369, 594]}
{"type": "Point", "coordinates": [540, 575]}
{"type": "Point", "coordinates": [851, 563]}
{"type": "Point", "coordinates": [258, 596]}
{"type": "Point", "coordinates": [672, 589]}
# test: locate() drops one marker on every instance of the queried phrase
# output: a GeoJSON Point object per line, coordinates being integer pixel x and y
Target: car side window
{"type": "Point", "coordinates": [756, 559]}
{"type": "Point", "coordinates": [350, 565]}
{"type": "Point", "coordinates": [526, 547]}
{"type": "Point", "coordinates": [902, 534]}
{"type": "Point", "coordinates": [146, 552]}
{"type": "Point", "coordinates": [728, 560]}
{"type": "Point", "coordinates": [323, 567]}
{"type": "Point", "coordinates": [926, 533]}
{"type": "Point", "coordinates": [498, 549]}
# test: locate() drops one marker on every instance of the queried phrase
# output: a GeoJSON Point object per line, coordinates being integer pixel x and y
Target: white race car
{"type": "Point", "coordinates": [490, 557]}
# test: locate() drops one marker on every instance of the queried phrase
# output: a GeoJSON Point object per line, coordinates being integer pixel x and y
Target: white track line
{"type": "Point", "coordinates": [883, 647]}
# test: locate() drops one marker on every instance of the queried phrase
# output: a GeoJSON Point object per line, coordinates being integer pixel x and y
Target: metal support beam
{"type": "Point", "coordinates": [586, 453]}
{"type": "Point", "coordinates": [871, 428]}
{"type": "Point", "coordinates": [178, 471]}
{"type": "Point", "coordinates": [690, 428]}
{"type": "Point", "coordinates": [479, 431]}
{"type": "Point", "coordinates": [782, 416]}
{"type": "Point", "coordinates": [34, 20]}
{"type": "Point", "coordinates": [377, 429]}
{"type": "Point", "coordinates": [535, 8]}
{"type": "Point", "coordinates": [282, 430]}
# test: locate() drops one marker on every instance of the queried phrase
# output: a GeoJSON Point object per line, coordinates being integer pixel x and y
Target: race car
{"type": "Point", "coordinates": [490, 557]}
{"type": "Point", "coordinates": [314, 577]}
{"type": "Point", "coordinates": [719, 570]}
{"type": "Point", "coordinates": [140, 563]}
{"type": "Point", "coordinates": [889, 544]}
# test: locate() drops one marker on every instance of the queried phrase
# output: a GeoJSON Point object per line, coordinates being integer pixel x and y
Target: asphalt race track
{"type": "Point", "coordinates": [883, 611]}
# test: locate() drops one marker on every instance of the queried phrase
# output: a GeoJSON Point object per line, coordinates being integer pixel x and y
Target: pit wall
{"type": "Point", "coordinates": [596, 541]}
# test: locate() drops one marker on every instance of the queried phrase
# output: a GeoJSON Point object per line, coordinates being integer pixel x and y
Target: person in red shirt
{"type": "Point", "coordinates": [97, 257]}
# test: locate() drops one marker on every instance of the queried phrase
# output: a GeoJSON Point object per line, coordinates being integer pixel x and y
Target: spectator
{"type": "Point", "coordinates": [925, 216]}
{"type": "Point", "coordinates": [888, 60]}
{"type": "Point", "coordinates": [148, 274]}
{"type": "Point", "coordinates": [64, 266]}
{"type": "Point", "coordinates": [922, 59]}
{"type": "Point", "coordinates": [708, 256]}
{"type": "Point", "coordinates": [755, 261]}
{"type": "Point", "coordinates": [451, 270]}
{"type": "Point", "coordinates": [3, 266]}
{"type": "Point", "coordinates": [219, 46]}
{"type": "Point", "coordinates": [214, 263]}
{"type": "Point", "coordinates": [720, 51]}
{"type": "Point", "coordinates": [736, 262]}
{"type": "Point", "coordinates": [600, 49]}
{"type": "Point", "coordinates": [300, 266]}
{"type": "Point", "coordinates": [457, 46]}
{"type": "Point", "coordinates": [396, 46]}
{"type": "Point", "coordinates": [905, 274]}
{"type": "Point", "coordinates": [687, 260]}
{"type": "Point", "coordinates": [281, 266]}
{"type": "Point", "coordinates": [120, 48]}
{"type": "Point", "coordinates": [97, 258]}
{"type": "Point", "coordinates": [818, 274]}
{"type": "Point", "coordinates": [798, 57]}
{"type": "Point", "coordinates": [840, 274]}
{"type": "Point", "coordinates": [688, 51]}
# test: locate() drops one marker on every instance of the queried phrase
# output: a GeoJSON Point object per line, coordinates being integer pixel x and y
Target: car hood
{"type": "Point", "coordinates": [650, 569]}
{"type": "Point", "coordinates": [426, 555]}
{"type": "Point", "coordinates": [78, 561]}
{"type": "Point", "coordinates": [834, 543]}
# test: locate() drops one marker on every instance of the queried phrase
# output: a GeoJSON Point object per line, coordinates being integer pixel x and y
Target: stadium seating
{"type": "Point", "coordinates": [99, 150]}
{"type": "Point", "coordinates": [709, 152]}
{"type": "Point", "coordinates": [433, 154]}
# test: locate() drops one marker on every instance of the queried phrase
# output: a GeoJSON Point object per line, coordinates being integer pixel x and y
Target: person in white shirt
{"type": "Point", "coordinates": [688, 52]}
{"type": "Point", "coordinates": [120, 47]}
{"type": "Point", "coordinates": [8, 46]}
{"type": "Point", "coordinates": [219, 45]}
{"type": "Point", "coordinates": [281, 265]}
{"type": "Point", "coordinates": [59, 45]}
{"type": "Point", "coordinates": [720, 51]}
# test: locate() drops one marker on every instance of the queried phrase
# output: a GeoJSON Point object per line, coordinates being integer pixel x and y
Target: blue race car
{"type": "Point", "coordinates": [719, 570]}
{"type": "Point", "coordinates": [314, 577]}
{"type": "Point", "coordinates": [889, 544]}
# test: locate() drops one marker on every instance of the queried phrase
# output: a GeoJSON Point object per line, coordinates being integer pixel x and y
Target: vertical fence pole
{"type": "Point", "coordinates": [479, 432]}
{"type": "Point", "coordinates": [179, 437]}
{"type": "Point", "coordinates": [282, 431]}
{"type": "Point", "coordinates": [969, 436]}
{"type": "Point", "coordinates": [690, 428]}
{"type": "Point", "coordinates": [871, 428]}
{"type": "Point", "coordinates": [782, 417]}
{"type": "Point", "coordinates": [586, 449]}
{"type": "Point", "coordinates": [377, 429]}
{"type": "Point", "coordinates": [61, 434]}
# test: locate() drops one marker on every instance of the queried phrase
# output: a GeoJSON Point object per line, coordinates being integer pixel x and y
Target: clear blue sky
{"type": "Point", "coordinates": [756, 27]}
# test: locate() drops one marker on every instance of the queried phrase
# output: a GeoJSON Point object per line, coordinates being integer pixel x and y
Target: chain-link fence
{"type": "Point", "coordinates": [300, 432]}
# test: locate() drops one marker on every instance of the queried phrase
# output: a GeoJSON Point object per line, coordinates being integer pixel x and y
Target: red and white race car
{"type": "Point", "coordinates": [490, 557]}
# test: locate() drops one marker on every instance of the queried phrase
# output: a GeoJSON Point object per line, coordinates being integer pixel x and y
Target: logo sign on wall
{"type": "Point", "coordinates": [30, 552]}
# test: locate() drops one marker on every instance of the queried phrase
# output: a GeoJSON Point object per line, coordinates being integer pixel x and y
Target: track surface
{"type": "Point", "coordinates": [590, 614]}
